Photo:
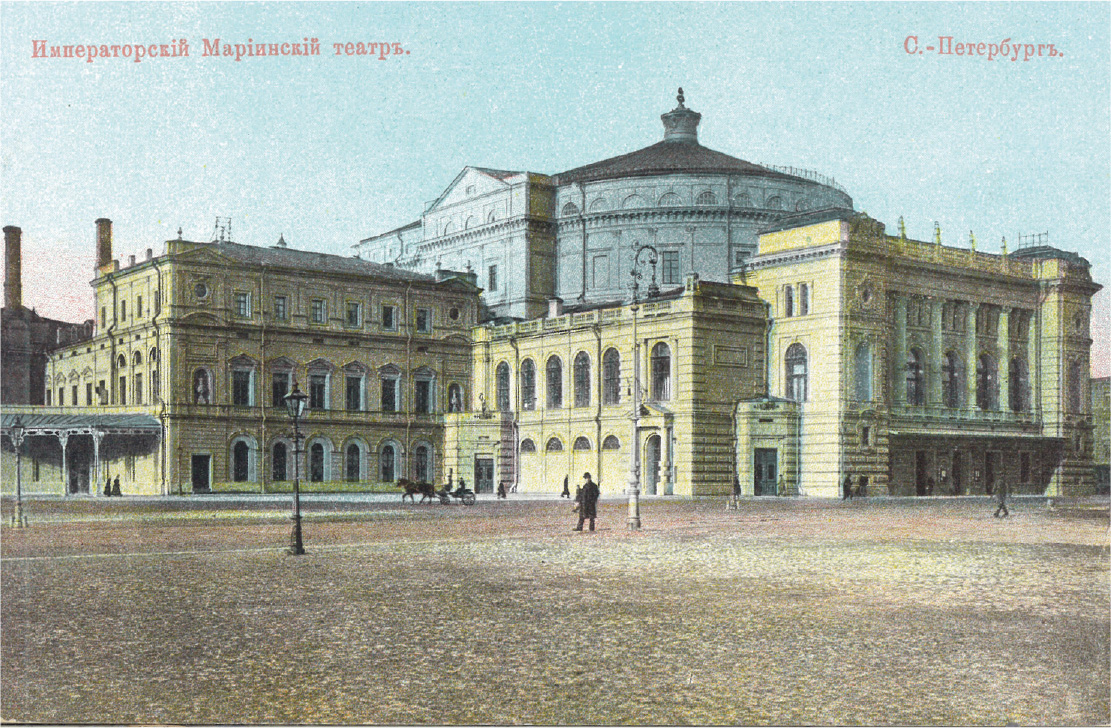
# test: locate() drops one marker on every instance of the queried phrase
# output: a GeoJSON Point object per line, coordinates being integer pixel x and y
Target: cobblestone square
{"type": "Point", "coordinates": [786, 611]}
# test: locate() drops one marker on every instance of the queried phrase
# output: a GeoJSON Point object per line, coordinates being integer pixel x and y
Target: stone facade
{"type": "Point", "coordinates": [927, 369]}
{"type": "Point", "coordinates": [1101, 432]}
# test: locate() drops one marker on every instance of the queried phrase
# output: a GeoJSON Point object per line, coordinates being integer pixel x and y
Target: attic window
{"type": "Point", "coordinates": [470, 190]}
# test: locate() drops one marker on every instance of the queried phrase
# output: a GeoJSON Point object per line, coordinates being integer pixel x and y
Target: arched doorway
{"type": "Point", "coordinates": [651, 464]}
{"type": "Point", "coordinates": [316, 463]}
{"type": "Point", "coordinates": [240, 462]}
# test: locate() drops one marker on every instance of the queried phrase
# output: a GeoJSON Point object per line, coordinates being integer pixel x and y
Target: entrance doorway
{"type": "Point", "coordinates": [920, 472]}
{"type": "Point", "coordinates": [764, 471]}
{"type": "Point", "coordinates": [989, 471]}
{"type": "Point", "coordinates": [483, 475]}
{"type": "Point", "coordinates": [958, 473]}
{"type": "Point", "coordinates": [201, 466]}
{"type": "Point", "coordinates": [651, 464]}
{"type": "Point", "coordinates": [78, 466]}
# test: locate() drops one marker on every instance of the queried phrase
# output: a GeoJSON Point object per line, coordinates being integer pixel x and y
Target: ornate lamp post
{"type": "Point", "coordinates": [632, 521]}
{"type": "Point", "coordinates": [295, 406]}
{"type": "Point", "coordinates": [16, 434]}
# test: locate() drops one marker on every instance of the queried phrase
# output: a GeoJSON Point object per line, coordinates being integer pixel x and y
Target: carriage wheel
{"type": "Point", "coordinates": [444, 500]}
{"type": "Point", "coordinates": [468, 499]}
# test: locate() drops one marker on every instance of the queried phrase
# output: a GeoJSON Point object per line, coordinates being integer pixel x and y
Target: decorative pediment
{"type": "Point", "coordinates": [355, 367]}
{"type": "Point", "coordinates": [242, 361]}
{"type": "Point", "coordinates": [74, 375]}
{"type": "Point", "coordinates": [469, 183]}
{"type": "Point", "coordinates": [320, 365]}
{"type": "Point", "coordinates": [389, 370]}
{"type": "Point", "coordinates": [282, 364]}
{"type": "Point", "coordinates": [424, 373]}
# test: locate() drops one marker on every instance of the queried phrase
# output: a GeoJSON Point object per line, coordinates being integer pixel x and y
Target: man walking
{"type": "Point", "coordinates": [847, 488]}
{"type": "Point", "coordinates": [588, 502]}
{"type": "Point", "coordinates": [566, 492]}
{"type": "Point", "coordinates": [1001, 497]}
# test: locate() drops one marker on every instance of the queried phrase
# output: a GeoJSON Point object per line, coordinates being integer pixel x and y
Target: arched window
{"type": "Point", "coordinates": [916, 390]}
{"type": "Point", "coordinates": [570, 209]}
{"type": "Point", "coordinates": [581, 444]}
{"type": "Point", "coordinates": [278, 462]}
{"type": "Point", "coordinates": [804, 299]}
{"type": "Point", "coordinates": [863, 371]}
{"type": "Point", "coordinates": [137, 359]}
{"type": "Point", "coordinates": [1074, 387]}
{"type": "Point", "coordinates": [951, 380]}
{"type": "Point", "coordinates": [706, 198]}
{"type": "Point", "coordinates": [742, 200]}
{"type": "Point", "coordinates": [528, 385]}
{"type": "Point", "coordinates": [670, 200]}
{"type": "Point", "coordinates": [387, 461]}
{"type": "Point", "coordinates": [774, 203]}
{"type": "Point", "coordinates": [611, 377]}
{"type": "Point", "coordinates": [788, 301]}
{"type": "Point", "coordinates": [582, 379]}
{"type": "Point", "coordinates": [1019, 384]}
{"type": "Point", "coordinates": [554, 445]}
{"type": "Point", "coordinates": [241, 464]}
{"type": "Point", "coordinates": [454, 398]}
{"type": "Point", "coordinates": [599, 205]}
{"type": "Point", "coordinates": [795, 373]}
{"type": "Point", "coordinates": [353, 465]}
{"type": "Point", "coordinates": [987, 393]}
{"type": "Point", "coordinates": [492, 217]}
{"type": "Point", "coordinates": [121, 362]}
{"type": "Point", "coordinates": [611, 443]}
{"type": "Point", "coordinates": [501, 381]}
{"type": "Point", "coordinates": [555, 382]}
{"type": "Point", "coordinates": [316, 463]}
{"type": "Point", "coordinates": [633, 201]}
{"type": "Point", "coordinates": [422, 463]}
{"type": "Point", "coordinates": [153, 357]}
{"type": "Point", "coordinates": [661, 373]}
{"type": "Point", "coordinates": [527, 446]}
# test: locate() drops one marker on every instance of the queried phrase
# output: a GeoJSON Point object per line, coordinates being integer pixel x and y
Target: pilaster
{"type": "Point", "coordinates": [898, 386]}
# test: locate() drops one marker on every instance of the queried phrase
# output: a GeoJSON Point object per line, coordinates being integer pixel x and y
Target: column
{"type": "Point", "coordinates": [1033, 365]}
{"type": "Point", "coordinates": [94, 486]}
{"type": "Point", "coordinates": [898, 385]}
{"type": "Point", "coordinates": [1003, 336]}
{"type": "Point", "coordinates": [937, 353]}
{"type": "Point", "coordinates": [63, 438]}
{"type": "Point", "coordinates": [971, 356]}
{"type": "Point", "coordinates": [668, 460]}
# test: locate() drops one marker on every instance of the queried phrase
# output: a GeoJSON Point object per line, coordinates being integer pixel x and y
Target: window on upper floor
{"type": "Point", "coordinates": [354, 316]}
{"type": "Point", "coordinates": [788, 301]}
{"type": "Point", "coordinates": [123, 310]}
{"type": "Point", "coordinates": [804, 299]}
{"type": "Point", "coordinates": [424, 321]}
{"type": "Point", "coordinates": [795, 373]}
{"type": "Point", "coordinates": [501, 384]}
{"type": "Point", "coordinates": [528, 385]}
{"type": "Point", "coordinates": [669, 267]}
{"type": "Point", "coordinates": [242, 304]}
{"type": "Point", "coordinates": [582, 379]}
{"type": "Point", "coordinates": [354, 393]}
{"type": "Point", "coordinates": [319, 311]}
{"type": "Point", "coordinates": [492, 278]}
{"type": "Point", "coordinates": [611, 377]}
{"type": "Point", "coordinates": [139, 307]}
{"type": "Point", "coordinates": [281, 308]}
{"type": "Point", "coordinates": [390, 391]}
{"type": "Point", "coordinates": [916, 378]}
{"type": "Point", "coordinates": [555, 382]}
{"type": "Point", "coordinates": [424, 392]}
{"type": "Point", "coordinates": [279, 387]}
{"type": "Point", "coordinates": [661, 373]}
{"type": "Point", "coordinates": [389, 317]}
{"type": "Point", "coordinates": [318, 391]}
{"type": "Point", "coordinates": [241, 387]}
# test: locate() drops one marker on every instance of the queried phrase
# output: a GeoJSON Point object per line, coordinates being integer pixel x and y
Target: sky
{"type": "Point", "coordinates": [329, 149]}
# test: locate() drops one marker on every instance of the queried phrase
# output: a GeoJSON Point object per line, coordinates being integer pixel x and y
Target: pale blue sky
{"type": "Point", "coordinates": [328, 150]}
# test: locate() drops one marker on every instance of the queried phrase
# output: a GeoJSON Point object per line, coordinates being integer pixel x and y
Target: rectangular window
{"type": "Point", "coordinates": [866, 436]}
{"type": "Point", "coordinates": [157, 302]}
{"type": "Point", "coordinates": [243, 305]}
{"type": "Point", "coordinates": [48, 391]}
{"type": "Point", "coordinates": [492, 278]}
{"type": "Point", "coordinates": [279, 388]}
{"type": "Point", "coordinates": [424, 320]}
{"type": "Point", "coordinates": [389, 394]}
{"type": "Point", "coordinates": [354, 393]}
{"type": "Point", "coordinates": [804, 299]}
{"type": "Point", "coordinates": [123, 390]}
{"type": "Point", "coordinates": [103, 391]}
{"type": "Point", "coordinates": [318, 389]}
{"type": "Point", "coordinates": [319, 311]}
{"type": "Point", "coordinates": [389, 318]}
{"type": "Point", "coordinates": [601, 271]}
{"type": "Point", "coordinates": [669, 267]}
{"type": "Point", "coordinates": [61, 396]}
{"type": "Point", "coordinates": [88, 394]}
{"type": "Point", "coordinates": [354, 314]}
{"type": "Point", "coordinates": [35, 474]}
{"type": "Point", "coordinates": [123, 310]}
{"type": "Point", "coordinates": [73, 395]}
{"type": "Point", "coordinates": [103, 316]}
{"type": "Point", "coordinates": [241, 388]}
{"type": "Point", "coordinates": [138, 389]}
{"type": "Point", "coordinates": [281, 308]}
{"type": "Point", "coordinates": [139, 307]}
{"type": "Point", "coordinates": [422, 395]}
{"type": "Point", "coordinates": [155, 388]}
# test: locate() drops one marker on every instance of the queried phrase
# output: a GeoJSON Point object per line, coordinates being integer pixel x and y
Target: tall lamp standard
{"type": "Point", "coordinates": [632, 521]}
{"type": "Point", "coordinates": [295, 406]}
{"type": "Point", "coordinates": [16, 433]}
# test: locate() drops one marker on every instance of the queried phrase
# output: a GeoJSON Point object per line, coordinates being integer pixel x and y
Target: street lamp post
{"type": "Point", "coordinates": [16, 433]}
{"type": "Point", "coordinates": [632, 521]}
{"type": "Point", "coordinates": [295, 406]}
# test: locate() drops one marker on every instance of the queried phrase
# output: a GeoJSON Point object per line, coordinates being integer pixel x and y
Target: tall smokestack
{"type": "Point", "coordinates": [13, 268]}
{"type": "Point", "coordinates": [103, 242]}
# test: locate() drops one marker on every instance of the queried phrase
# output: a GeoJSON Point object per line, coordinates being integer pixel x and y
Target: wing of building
{"type": "Point", "coordinates": [774, 342]}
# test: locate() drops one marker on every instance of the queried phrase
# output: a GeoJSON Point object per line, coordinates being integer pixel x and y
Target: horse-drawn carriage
{"type": "Point", "coordinates": [429, 494]}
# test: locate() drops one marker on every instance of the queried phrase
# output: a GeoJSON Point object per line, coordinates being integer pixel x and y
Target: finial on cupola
{"type": "Point", "coordinates": [971, 241]}
{"type": "Point", "coordinates": [902, 229]}
{"type": "Point", "coordinates": [681, 124]}
{"type": "Point", "coordinates": [1004, 246]}
{"type": "Point", "coordinates": [937, 233]}
{"type": "Point", "coordinates": [679, 98]}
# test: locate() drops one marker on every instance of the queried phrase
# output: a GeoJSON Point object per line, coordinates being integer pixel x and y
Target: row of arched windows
{"type": "Point", "coordinates": [317, 466]}
{"type": "Point", "coordinates": [659, 380]}
{"type": "Point", "coordinates": [581, 444]}
{"type": "Point", "coordinates": [705, 198]}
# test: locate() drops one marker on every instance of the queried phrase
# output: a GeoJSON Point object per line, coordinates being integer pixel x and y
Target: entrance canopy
{"type": "Point", "coordinates": [82, 424]}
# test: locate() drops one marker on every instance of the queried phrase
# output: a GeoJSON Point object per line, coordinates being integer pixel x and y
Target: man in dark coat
{"type": "Point", "coordinates": [847, 488]}
{"type": "Point", "coordinates": [566, 491]}
{"type": "Point", "coordinates": [108, 486]}
{"type": "Point", "coordinates": [116, 486]}
{"type": "Point", "coordinates": [1001, 497]}
{"type": "Point", "coordinates": [588, 502]}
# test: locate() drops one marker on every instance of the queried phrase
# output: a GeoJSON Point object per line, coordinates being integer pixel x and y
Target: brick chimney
{"type": "Point", "coordinates": [13, 268]}
{"type": "Point", "coordinates": [103, 242]}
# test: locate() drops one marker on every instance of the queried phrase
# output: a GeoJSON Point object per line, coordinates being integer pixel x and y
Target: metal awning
{"type": "Point", "coordinates": [77, 424]}
{"type": "Point", "coordinates": [976, 436]}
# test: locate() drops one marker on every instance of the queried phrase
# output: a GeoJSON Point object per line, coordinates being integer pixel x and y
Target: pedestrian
{"type": "Point", "coordinates": [930, 486]}
{"type": "Point", "coordinates": [108, 485]}
{"type": "Point", "coordinates": [587, 499]}
{"type": "Point", "coordinates": [781, 489]}
{"type": "Point", "coordinates": [566, 492]}
{"type": "Point", "coordinates": [501, 488]}
{"type": "Point", "coordinates": [116, 486]}
{"type": "Point", "coordinates": [1001, 497]}
{"type": "Point", "coordinates": [847, 488]}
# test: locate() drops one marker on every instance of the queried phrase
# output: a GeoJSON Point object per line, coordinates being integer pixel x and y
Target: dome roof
{"type": "Point", "coordinates": [678, 153]}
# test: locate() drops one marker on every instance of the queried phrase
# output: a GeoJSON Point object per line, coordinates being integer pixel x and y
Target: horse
{"type": "Point", "coordinates": [412, 487]}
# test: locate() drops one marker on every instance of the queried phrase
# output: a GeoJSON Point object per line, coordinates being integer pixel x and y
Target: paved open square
{"type": "Point", "coordinates": [786, 611]}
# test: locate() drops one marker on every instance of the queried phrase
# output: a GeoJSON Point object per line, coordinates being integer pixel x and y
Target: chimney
{"type": "Point", "coordinates": [131, 261]}
{"type": "Point", "coordinates": [13, 268]}
{"type": "Point", "coordinates": [150, 253]}
{"type": "Point", "coordinates": [555, 307]}
{"type": "Point", "coordinates": [103, 242]}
